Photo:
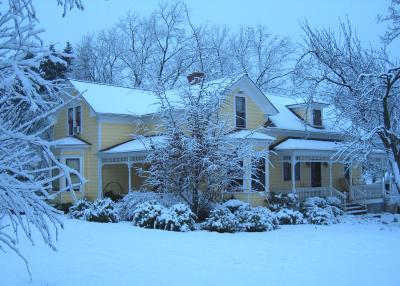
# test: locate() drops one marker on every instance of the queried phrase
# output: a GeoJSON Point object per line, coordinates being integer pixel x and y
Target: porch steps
{"type": "Point", "coordinates": [355, 209]}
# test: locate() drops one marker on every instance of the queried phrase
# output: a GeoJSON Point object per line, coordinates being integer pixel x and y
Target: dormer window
{"type": "Point", "coordinates": [317, 117]}
{"type": "Point", "coordinates": [240, 112]}
{"type": "Point", "coordinates": [74, 120]}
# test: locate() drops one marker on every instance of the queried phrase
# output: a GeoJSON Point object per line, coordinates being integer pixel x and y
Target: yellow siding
{"type": "Point", "coordinates": [254, 115]}
{"type": "Point", "coordinates": [113, 133]}
{"type": "Point", "coordinates": [254, 198]}
{"type": "Point", "coordinates": [89, 134]}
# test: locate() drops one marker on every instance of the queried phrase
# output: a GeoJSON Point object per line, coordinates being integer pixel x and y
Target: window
{"type": "Point", "coordinates": [236, 184]}
{"type": "Point", "coordinates": [258, 179]}
{"type": "Point", "coordinates": [74, 120]}
{"type": "Point", "coordinates": [287, 171]}
{"type": "Point", "coordinates": [74, 163]}
{"type": "Point", "coordinates": [56, 183]}
{"type": "Point", "coordinates": [317, 117]}
{"type": "Point", "coordinates": [240, 108]}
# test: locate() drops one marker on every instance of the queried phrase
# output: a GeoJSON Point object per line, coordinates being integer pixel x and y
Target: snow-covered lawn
{"type": "Point", "coordinates": [356, 252]}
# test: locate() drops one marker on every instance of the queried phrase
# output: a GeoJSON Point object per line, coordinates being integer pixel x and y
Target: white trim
{"type": "Point", "coordinates": [99, 161]}
{"type": "Point", "coordinates": [81, 167]}
{"type": "Point", "coordinates": [74, 106]}
{"type": "Point", "coordinates": [245, 111]}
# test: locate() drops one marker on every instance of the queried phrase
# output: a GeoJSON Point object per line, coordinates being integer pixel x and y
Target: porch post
{"type": "Point", "coordinates": [383, 179]}
{"type": "Point", "coordinates": [99, 178]}
{"type": "Point", "coordinates": [351, 180]}
{"type": "Point", "coordinates": [129, 175]}
{"type": "Point", "coordinates": [293, 165]}
{"type": "Point", "coordinates": [266, 187]}
{"type": "Point", "coordinates": [330, 176]}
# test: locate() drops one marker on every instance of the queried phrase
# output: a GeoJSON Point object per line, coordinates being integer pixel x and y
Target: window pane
{"type": "Point", "coordinates": [297, 171]}
{"type": "Point", "coordinates": [74, 164]}
{"type": "Point", "coordinates": [258, 179]}
{"type": "Point", "coordinates": [287, 172]}
{"type": "Point", "coordinates": [78, 116]}
{"type": "Point", "coordinates": [317, 118]}
{"type": "Point", "coordinates": [70, 121]}
{"type": "Point", "coordinates": [240, 105]}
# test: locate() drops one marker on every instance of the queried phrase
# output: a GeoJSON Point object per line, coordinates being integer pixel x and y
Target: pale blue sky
{"type": "Point", "coordinates": [282, 17]}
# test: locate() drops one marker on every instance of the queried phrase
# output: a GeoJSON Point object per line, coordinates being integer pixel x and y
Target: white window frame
{"type": "Point", "coordinates": [74, 119]}
{"type": "Point", "coordinates": [283, 171]}
{"type": "Point", "coordinates": [80, 158]}
{"type": "Point", "coordinates": [245, 111]}
{"type": "Point", "coordinates": [312, 117]}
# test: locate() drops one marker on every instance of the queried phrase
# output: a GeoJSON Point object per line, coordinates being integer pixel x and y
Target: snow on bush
{"type": "Point", "coordinates": [318, 211]}
{"type": "Point", "coordinates": [236, 215]}
{"type": "Point", "coordinates": [235, 204]}
{"type": "Point", "coordinates": [179, 217]}
{"type": "Point", "coordinates": [333, 201]}
{"type": "Point", "coordinates": [256, 219]}
{"type": "Point", "coordinates": [127, 205]}
{"type": "Point", "coordinates": [289, 216]}
{"type": "Point", "coordinates": [283, 201]}
{"type": "Point", "coordinates": [80, 209]}
{"type": "Point", "coordinates": [102, 210]}
{"type": "Point", "coordinates": [145, 214]}
{"type": "Point", "coordinates": [221, 220]}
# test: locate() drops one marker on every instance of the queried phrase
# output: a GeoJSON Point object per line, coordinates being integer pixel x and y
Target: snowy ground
{"type": "Point", "coordinates": [357, 252]}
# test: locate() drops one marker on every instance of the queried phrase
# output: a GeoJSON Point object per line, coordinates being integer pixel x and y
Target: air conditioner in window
{"type": "Point", "coordinates": [77, 129]}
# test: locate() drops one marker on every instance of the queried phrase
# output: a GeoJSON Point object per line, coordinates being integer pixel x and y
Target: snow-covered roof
{"type": "Point", "coordinates": [307, 144]}
{"type": "Point", "coordinates": [108, 99]}
{"type": "Point", "coordinates": [135, 145]}
{"type": "Point", "coordinates": [287, 119]}
{"type": "Point", "coordinates": [248, 134]}
{"type": "Point", "coordinates": [69, 141]}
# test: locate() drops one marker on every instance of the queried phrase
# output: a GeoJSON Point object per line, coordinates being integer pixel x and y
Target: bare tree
{"type": "Point", "coordinates": [362, 84]}
{"type": "Point", "coordinates": [99, 57]}
{"type": "Point", "coordinates": [393, 17]}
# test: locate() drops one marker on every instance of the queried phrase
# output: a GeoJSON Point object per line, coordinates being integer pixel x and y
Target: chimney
{"type": "Point", "coordinates": [195, 77]}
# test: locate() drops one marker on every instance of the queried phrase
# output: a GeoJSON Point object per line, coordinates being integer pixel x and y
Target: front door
{"type": "Point", "coordinates": [315, 174]}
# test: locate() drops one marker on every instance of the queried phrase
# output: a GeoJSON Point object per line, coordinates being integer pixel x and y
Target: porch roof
{"type": "Point", "coordinates": [134, 145]}
{"type": "Point", "coordinates": [70, 141]}
{"type": "Point", "coordinates": [307, 144]}
{"type": "Point", "coordinates": [250, 134]}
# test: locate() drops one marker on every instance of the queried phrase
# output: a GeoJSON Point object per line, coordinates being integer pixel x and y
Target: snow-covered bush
{"type": "Point", "coordinates": [235, 205]}
{"type": "Point", "coordinates": [334, 201]}
{"type": "Point", "coordinates": [80, 209]}
{"type": "Point", "coordinates": [256, 219]}
{"type": "Point", "coordinates": [235, 215]}
{"type": "Point", "coordinates": [102, 210]}
{"type": "Point", "coordinates": [146, 214]}
{"type": "Point", "coordinates": [318, 211]}
{"type": "Point", "coordinates": [179, 217]}
{"type": "Point", "coordinates": [283, 201]}
{"type": "Point", "coordinates": [127, 205]}
{"type": "Point", "coordinates": [221, 219]}
{"type": "Point", "coordinates": [289, 216]}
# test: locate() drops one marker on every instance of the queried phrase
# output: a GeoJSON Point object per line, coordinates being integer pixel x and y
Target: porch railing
{"type": "Point", "coordinates": [323, 192]}
{"type": "Point", "coordinates": [362, 193]}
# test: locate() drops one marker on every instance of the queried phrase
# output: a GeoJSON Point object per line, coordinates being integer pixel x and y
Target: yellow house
{"type": "Point", "coordinates": [95, 134]}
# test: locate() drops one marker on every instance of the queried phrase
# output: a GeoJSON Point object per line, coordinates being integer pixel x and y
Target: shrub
{"type": "Point", "coordinates": [289, 216]}
{"type": "Point", "coordinates": [221, 219]}
{"type": "Point", "coordinates": [179, 217]}
{"type": "Point", "coordinates": [334, 201]}
{"type": "Point", "coordinates": [114, 197]}
{"type": "Point", "coordinates": [283, 201]}
{"type": "Point", "coordinates": [80, 209]}
{"type": "Point", "coordinates": [234, 205]}
{"type": "Point", "coordinates": [64, 207]}
{"type": "Point", "coordinates": [256, 219]}
{"type": "Point", "coordinates": [102, 210]}
{"type": "Point", "coordinates": [318, 211]}
{"type": "Point", "coordinates": [145, 214]}
{"type": "Point", "coordinates": [127, 205]}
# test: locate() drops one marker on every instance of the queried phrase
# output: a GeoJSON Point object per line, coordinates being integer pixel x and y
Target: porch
{"type": "Point", "coordinates": [308, 168]}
